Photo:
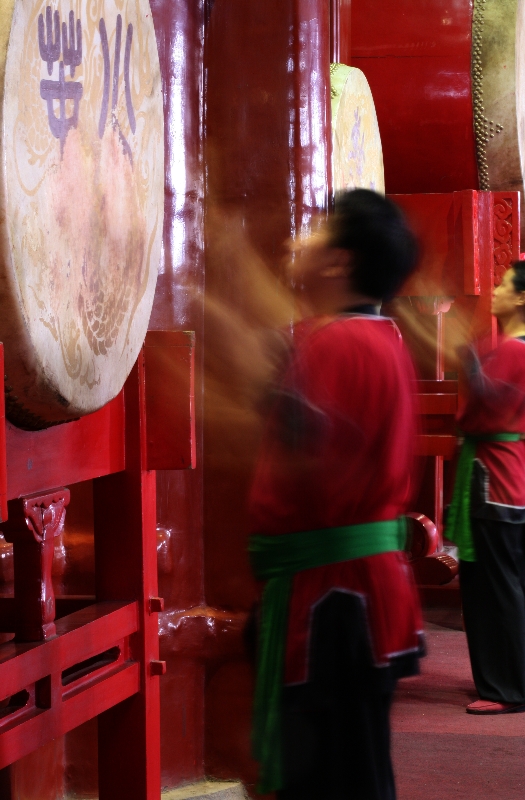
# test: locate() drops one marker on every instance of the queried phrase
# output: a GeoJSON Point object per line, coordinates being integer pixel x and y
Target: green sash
{"type": "Point", "coordinates": [458, 528]}
{"type": "Point", "coordinates": [276, 559]}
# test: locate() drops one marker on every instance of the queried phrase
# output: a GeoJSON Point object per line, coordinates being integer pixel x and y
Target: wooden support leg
{"type": "Point", "coordinates": [126, 568]}
{"type": "Point", "coordinates": [438, 498]}
{"type": "Point", "coordinates": [32, 526]}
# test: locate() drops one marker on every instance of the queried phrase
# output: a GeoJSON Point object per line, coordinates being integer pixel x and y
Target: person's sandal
{"type": "Point", "coordinates": [490, 707]}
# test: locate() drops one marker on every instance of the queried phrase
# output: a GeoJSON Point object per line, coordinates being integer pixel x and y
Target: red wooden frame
{"type": "Point", "coordinates": [100, 656]}
{"type": "Point", "coordinates": [170, 399]}
{"type": "Point", "coordinates": [75, 451]}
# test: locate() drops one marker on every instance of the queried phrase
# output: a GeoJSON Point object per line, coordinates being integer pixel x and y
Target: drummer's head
{"type": "Point", "coordinates": [382, 248]}
{"type": "Point", "coordinates": [361, 254]}
{"type": "Point", "coordinates": [508, 298]}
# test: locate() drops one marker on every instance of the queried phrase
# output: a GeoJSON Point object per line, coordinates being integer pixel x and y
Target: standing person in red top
{"type": "Point", "coordinates": [487, 515]}
{"type": "Point", "coordinates": [340, 616]}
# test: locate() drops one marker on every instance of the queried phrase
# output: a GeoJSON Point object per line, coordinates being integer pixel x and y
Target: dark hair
{"type": "Point", "coordinates": [518, 279]}
{"type": "Point", "coordinates": [374, 229]}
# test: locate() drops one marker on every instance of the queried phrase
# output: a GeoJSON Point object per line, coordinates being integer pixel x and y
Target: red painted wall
{"type": "Point", "coordinates": [416, 57]}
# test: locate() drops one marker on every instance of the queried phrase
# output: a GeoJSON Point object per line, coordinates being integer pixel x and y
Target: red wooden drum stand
{"type": "Point", "coordinates": [77, 657]}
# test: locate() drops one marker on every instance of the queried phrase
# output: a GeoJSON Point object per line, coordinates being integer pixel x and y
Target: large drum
{"type": "Point", "coordinates": [447, 80]}
{"type": "Point", "coordinates": [81, 200]}
{"type": "Point", "coordinates": [357, 156]}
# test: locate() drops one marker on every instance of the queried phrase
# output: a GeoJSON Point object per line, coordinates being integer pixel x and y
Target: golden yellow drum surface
{"type": "Point", "coordinates": [81, 200]}
{"type": "Point", "coordinates": [357, 155]}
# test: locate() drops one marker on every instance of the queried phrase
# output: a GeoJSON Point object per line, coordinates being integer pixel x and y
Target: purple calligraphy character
{"type": "Point", "coordinates": [61, 90]}
{"type": "Point", "coordinates": [114, 87]}
{"type": "Point", "coordinates": [72, 53]}
{"type": "Point", "coordinates": [49, 45]}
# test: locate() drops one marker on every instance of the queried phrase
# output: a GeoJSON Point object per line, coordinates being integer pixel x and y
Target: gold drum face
{"type": "Point", "coordinates": [81, 200]}
{"type": "Point", "coordinates": [357, 155]}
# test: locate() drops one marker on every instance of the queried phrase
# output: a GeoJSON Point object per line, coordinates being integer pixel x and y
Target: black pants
{"type": "Point", "coordinates": [336, 726]}
{"type": "Point", "coordinates": [493, 596]}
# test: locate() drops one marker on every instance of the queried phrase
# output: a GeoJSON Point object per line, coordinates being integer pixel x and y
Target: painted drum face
{"type": "Point", "coordinates": [81, 200]}
{"type": "Point", "coordinates": [498, 64]}
{"type": "Point", "coordinates": [357, 156]}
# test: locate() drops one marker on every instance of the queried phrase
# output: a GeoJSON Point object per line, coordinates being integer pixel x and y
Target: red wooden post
{"type": "Point", "coordinates": [126, 568]}
{"type": "Point", "coordinates": [32, 526]}
{"type": "Point", "coordinates": [169, 363]}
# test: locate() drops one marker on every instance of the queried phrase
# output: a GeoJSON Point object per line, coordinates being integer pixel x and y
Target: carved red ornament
{"type": "Point", "coordinates": [45, 514]}
{"type": "Point", "coordinates": [504, 226]}
{"type": "Point", "coordinates": [32, 526]}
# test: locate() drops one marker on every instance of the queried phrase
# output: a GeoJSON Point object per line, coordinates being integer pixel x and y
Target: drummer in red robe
{"type": "Point", "coordinates": [340, 618]}
{"type": "Point", "coordinates": [487, 515]}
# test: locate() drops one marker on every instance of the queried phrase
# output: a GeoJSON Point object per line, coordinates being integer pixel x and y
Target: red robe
{"type": "Point", "coordinates": [496, 404]}
{"type": "Point", "coordinates": [339, 451]}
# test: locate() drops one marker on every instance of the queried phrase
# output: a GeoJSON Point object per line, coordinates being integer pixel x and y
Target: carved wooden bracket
{"type": "Point", "coordinates": [32, 526]}
{"type": "Point", "coordinates": [506, 232]}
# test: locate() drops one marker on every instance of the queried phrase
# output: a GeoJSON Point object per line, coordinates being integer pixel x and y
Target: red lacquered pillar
{"type": "Point", "coordinates": [179, 28]}
{"type": "Point", "coordinates": [311, 177]}
{"type": "Point", "coordinates": [268, 159]}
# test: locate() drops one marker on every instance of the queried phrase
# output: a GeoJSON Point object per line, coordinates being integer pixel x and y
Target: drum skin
{"type": "Point", "coordinates": [357, 157]}
{"type": "Point", "coordinates": [81, 201]}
